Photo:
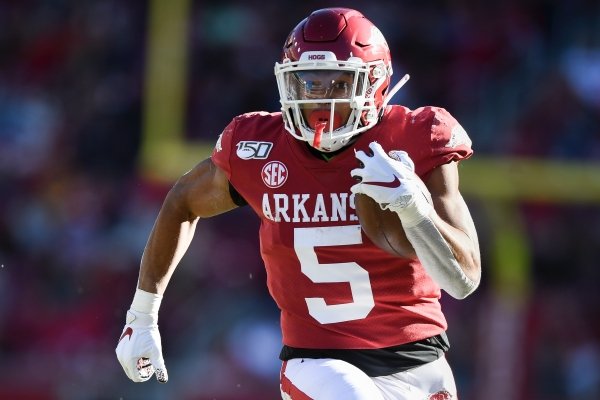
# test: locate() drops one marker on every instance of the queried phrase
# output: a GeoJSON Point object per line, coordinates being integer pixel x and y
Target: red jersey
{"type": "Point", "coordinates": [334, 287]}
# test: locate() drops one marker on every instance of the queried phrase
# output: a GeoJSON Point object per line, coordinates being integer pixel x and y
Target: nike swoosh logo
{"type": "Point", "coordinates": [128, 332]}
{"type": "Point", "coordinates": [393, 184]}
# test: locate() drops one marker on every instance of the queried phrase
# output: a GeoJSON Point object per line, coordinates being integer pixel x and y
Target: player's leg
{"type": "Point", "coordinates": [325, 379]}
{"type": "Point", "coordinates": [432, 381]}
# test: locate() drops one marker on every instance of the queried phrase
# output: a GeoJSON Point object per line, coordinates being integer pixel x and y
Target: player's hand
{"type": "Point", "coordinates": [139, 349]}
{"type": "Point", "coordinates": [391, 181]}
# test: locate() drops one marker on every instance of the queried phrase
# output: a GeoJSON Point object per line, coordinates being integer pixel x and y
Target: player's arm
{"type": "Point", "coordinates": [441, 231]}
{"type": "Point", "coordinates": [200, 193]}
{"type": "Point", "coordinates": [453, 220]}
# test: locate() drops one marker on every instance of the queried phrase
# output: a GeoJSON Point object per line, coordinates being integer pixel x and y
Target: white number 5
{"type": "Point", "coordinates": [305, 241]}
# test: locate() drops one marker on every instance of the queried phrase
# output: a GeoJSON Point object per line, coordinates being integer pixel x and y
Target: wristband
{"type": "Point", "coordinates": [146, 302]}
{"type": "Point", "coordinates": [412, 213]}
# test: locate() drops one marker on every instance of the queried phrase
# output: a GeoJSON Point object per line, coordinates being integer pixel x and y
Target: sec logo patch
{"type": "Point", "coordinates": [274, 174]}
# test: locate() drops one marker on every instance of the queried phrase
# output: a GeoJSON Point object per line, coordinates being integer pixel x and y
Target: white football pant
{"type": "Point", "coordinates": [329, 379]}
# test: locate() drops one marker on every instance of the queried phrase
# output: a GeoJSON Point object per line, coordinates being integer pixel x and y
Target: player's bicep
{"type": "Point", "coordinates": [204, 190]}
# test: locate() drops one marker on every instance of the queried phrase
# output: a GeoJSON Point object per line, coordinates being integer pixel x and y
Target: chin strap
{"type": "Point", "coordinates": [394, 90]}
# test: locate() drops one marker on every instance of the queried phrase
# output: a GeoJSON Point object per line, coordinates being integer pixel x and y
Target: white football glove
{"type": "Point", "coordinates": [139, 349]}
{"type": "Point", "coordinates": [390, 180]}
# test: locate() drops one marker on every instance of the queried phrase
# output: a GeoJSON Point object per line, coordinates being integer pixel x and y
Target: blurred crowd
{"type": "Point", "coordinates": [523, 78]}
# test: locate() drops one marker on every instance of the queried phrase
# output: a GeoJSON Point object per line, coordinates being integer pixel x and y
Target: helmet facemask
{"type": "Point", "coordinates": [325, 101]}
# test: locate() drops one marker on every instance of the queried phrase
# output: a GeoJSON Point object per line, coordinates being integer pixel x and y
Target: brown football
{"type": "Point", "coordinates": [383, 227]}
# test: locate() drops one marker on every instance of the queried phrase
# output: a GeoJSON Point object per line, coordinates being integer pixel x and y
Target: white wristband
{"type": "Point", "coordinates": [413, 213]}
{"type": "Point", "coordinates": [146, 302]}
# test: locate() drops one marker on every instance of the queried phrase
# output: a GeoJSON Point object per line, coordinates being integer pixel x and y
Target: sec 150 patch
{"type": "Point", "coordinates": [247, 150]}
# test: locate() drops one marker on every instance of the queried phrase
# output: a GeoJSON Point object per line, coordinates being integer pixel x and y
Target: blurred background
{"type": "Point", "coordinates": [103, 103]}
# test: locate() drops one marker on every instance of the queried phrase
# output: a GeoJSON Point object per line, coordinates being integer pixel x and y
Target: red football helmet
{"type": "Point", "coordinates": [333, 77]}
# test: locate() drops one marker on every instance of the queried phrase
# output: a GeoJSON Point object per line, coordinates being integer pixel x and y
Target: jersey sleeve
{"type": "Point", "coordinates": [221, 153]}
{"type": "Point", "coordinates": [447, 139]}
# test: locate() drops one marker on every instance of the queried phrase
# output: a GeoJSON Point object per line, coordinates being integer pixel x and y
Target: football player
{"type": "Point", "coordinates": [358, 323]}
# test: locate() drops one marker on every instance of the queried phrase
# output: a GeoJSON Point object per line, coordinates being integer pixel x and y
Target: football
{"type": "Point", "coordinates": [382, 227]}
